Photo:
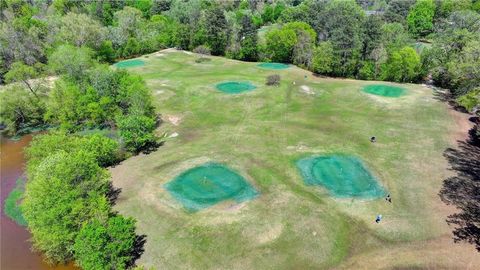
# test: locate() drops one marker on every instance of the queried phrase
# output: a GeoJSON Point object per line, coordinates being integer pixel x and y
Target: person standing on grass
{"type": "Point", "coordinates": [378, 219]}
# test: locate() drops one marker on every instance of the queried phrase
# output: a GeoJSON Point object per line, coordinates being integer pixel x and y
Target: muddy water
{"type": "Point", "coordinates": [15, 250]}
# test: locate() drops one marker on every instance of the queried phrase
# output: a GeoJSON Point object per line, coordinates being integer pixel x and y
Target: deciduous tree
{"type": "Point", "coordinates": [323, 58]}
{"type": "Point", "coordinates": [64, 192]}
{"type": "Point", "coordinates": [420, 18]}
{"type": "Point", "coordinates": [106, 244]}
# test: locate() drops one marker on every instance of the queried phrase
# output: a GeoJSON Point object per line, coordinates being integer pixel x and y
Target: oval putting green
{"type": "Point", "coordinates": [343, 176]}
{"type": "Point", "coordinates": [235, 87]}
{"type": "Point", "coordinates": [273, 65]}
{"type": "Point", "coordinates": [208, 184]}
{"type": "Point", "coordinates": [130, 63]}
{"type": "Point", "coordinates": [384, 90]}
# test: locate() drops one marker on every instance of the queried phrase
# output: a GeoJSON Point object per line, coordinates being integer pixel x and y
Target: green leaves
{"type": "Point", "coordinates": [65, 190]}
{"type": "Point", "coordinates": [402, 66]}
{"type": "Point", "coordinates": [67, 202]}
{"type": "Point", "coordinates": [71, 61]}
{"type": "Point", "coordinates": [137, 131]}
{"type": "Point", "coordinates": [280, 43]}
{"type": "Point", "coordinates": [216, 30]}
{"type": "Point", "coordinates": [420, 18]}
{"type": "Point", "coordinates": [106, 245]}
{"type": "Point", "coordinates": [20, 109]}
{"type": "Point", "coordinates": [471, 100]}
{"type": "Point", "coordinates": [102, 149]}
{"type": "Point", "coordinates": [323, 58]}
{"type": "Point", "coordinates": [343, 24]}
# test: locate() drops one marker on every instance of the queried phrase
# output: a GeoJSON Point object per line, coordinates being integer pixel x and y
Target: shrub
{"type": "Point", "coordinates": [104, 150]}
{"type": "Point", "coordinates": [137, 132]}
{"type": "Point", "coordinates": [202, 50]}
{"type": "Point", "coordinates": [470, 100]}
{"type": "Point", "coordinates": [64, 192]}
{"type": "Point", "coordinates": [273, 80]}
{"type": "Point", "coordinates": [20, 109]}
{"type": "Point", "coordinates": [106, 245]}
{"type": "Point", "coordinates": [323, 58]}
{"type": "Point", "coordinates": [202, 60]}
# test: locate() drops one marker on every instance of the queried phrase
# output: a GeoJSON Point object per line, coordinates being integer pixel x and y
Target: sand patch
{"type": "Point", "coordinates": [299, 148]}
{"type": "Point", "coordinates": [169, 50]}
{"type": "Point", "coordinates": [174, 119]}
{"type": "Point", "coordinates": [307, 90]}
{"type": "Point", "coordinates": [173, 135]}
{"type": "Point", "coordinates": [270, 234]}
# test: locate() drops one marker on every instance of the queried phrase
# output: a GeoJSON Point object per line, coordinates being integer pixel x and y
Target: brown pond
{"type": "Point", "coordinates": [15, 249]}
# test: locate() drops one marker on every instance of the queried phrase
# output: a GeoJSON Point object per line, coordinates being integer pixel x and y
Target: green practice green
{"type": "Point", "coordinates": [209, 184]}
{"type": "Point", "coordinates": [130, 63]}
{"type": "Point", "coordinates": [343, 176]}
{"type": "Point", "coordinates": [273, 65]}
{"type": "Point", "coordinates": [384, 90]}
{"type": "Point", "coordinates": [235, 87]}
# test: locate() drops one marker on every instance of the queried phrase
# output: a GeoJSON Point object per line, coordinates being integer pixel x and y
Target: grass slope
{"type": "Point", "coordinates": [261, 134]}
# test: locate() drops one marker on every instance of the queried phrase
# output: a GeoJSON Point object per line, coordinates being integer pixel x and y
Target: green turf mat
{"type": "Point", "coordinates": [384, 90]}
{"type": "Point", "coordinates": [273, 65]}
{"type": "Point", "coordinates": [235, 87]}
{"type": "Point", "coordinates": [343, 176]}
{"type": "Point", "coordinates": [208, 184]}
{"type": "Point", "coordinates": [130, 63]}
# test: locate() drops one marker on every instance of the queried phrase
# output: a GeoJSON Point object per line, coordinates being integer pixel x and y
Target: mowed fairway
{"type": "Point", "coordinates": [261, 134]}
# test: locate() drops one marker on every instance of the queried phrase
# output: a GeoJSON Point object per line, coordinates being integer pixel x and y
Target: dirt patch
{"type": "Point", "coordinates": [173, 135]}
{"type": "Point", "coordinates": [307, 90]}
{"type": "Point", "coordinates": [169, 50]}
{"type": "Point", "coordinates": [460, 132]}
{"type": "Point", "coordinates": [174, 119]}
{"type": "Point", "coordinates": [299, 148]}
{"type": "Point", "coordinates": [270, 234]}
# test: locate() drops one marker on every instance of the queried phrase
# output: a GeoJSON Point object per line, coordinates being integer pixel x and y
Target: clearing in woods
{"type": "Point", "coordinates": [260, 135]}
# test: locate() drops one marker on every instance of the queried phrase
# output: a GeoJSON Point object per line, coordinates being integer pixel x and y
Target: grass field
{"type": "Point", "coordinates": [261, 134]}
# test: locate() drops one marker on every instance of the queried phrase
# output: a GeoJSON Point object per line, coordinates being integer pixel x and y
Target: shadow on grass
{"type": "Point", "coordinates": [448, 98]}
{"type": "Point", "coordinates": [138, 249]}
{"type": "Point", "coordinates": [113, 193]}
{"type": "Point", "coordinates": [140, 240]}
{"type": "Point", "coordinates": [151, 147]}
{"type": "Point", "coordinates": [463, 191]}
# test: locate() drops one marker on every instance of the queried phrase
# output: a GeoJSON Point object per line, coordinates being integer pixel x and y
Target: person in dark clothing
{"type": "Point", "coordinates": [373, 139]}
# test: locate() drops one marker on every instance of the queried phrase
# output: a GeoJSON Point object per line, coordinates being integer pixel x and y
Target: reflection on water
{"type": "Point", "coordinates": [15, 252]}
